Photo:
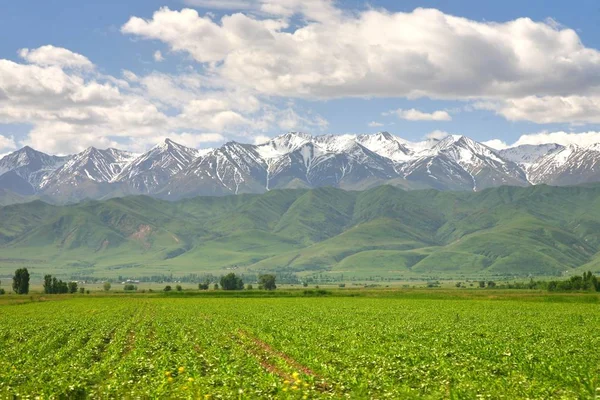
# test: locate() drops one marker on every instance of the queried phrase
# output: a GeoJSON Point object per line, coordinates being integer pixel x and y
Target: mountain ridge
{"type": "Point", "coordinates": [383, 232]}
{"type": "Point", "coordinates": [172, 171]}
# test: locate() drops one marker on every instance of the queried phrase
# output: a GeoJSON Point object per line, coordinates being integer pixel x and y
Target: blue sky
{"type": "Point", "coordinates": [212, 98]}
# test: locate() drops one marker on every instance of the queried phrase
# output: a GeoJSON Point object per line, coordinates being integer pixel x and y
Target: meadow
{"type": "Point", "coordinates": [347, 344]}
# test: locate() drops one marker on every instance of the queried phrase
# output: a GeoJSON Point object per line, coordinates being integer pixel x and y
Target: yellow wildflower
{"type": "Point", "coordinates": [181, 369]}
{"type": "Point", "coordinates": [190, 379]}
{"type": "Point", "coordinates": [167, 373]}
{"type": "Point", "coordinates": [170, 379]}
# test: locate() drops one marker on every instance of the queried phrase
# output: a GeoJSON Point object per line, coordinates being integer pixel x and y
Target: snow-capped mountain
{"type": "Point", "coordinates": [152, 170]}
{"type": "Point", "coordinates": [570, 165]}
{"type": "Point", "coordinates": [295, 160]}
{"type": "Point", "coordinates": [527, 154]}
{"type": "Point", "coordinates": [30, 165]}
{"type": "Point", "coordinates": [485, 166]}
{"type": "Point", "coordinates": [86, 174]}
{"type": "Point", "coordinates": [231, 169]}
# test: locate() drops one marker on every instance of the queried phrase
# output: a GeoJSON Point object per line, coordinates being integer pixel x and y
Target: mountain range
{"type": "Point", "coordinates": [382, 233]}
{"type": "Point", "coordinates": [293, 160]}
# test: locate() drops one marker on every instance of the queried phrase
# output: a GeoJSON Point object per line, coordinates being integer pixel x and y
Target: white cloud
{"type": "Point", "coordinates": [422, 53]}
{"type": "Point", "coordinates": [158, 57]}
{"type": "Point", "coordinates": [562, 138]}
{"type": "Point", "coordinates": [71, 109]}
{"type": "Point", "coordinates": [437, 134]}
{"type": "Point", "coordinates": [289, 119]}
{"type": "Point", "coordinates": [194, 140]}
{"type": "Point", "coordinates": [55, 56]}
{"type": "Point", "coordinates": [547, 109]}
{"type": "Point", "coordinates": [496, 144]}
{"type": "Point", "coordinates": [375, 124]}
{"type": "Point", "coordinates": [260, 139]}
{"type": "Point", "coordinates": [7, 143]}
{"type": "Point", "coordinates": [416, 115]}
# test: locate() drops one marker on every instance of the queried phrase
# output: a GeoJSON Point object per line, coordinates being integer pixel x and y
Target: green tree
{"type": "Point", "coordinates": [231, 282]}
{"type": "Point", "coordinates": [21, 281]}
{"type": "Point", "coordinates": [48, 284]}
{"type": "Point", "coordinates": [81, 290]}
{"type": "Point", "coordinates": [204, 286]}
{"type": "Point", "coordinates": [129, 288]}
{"type": "Point", "coordinates": [72, 287]}
{"type": "Point", "coordinates": [167, 288]}
{"type": "Point", "coordinates": [267, 282]}
{"type": "Point", "coordinates": [106, 286]}
{"type": "Point", "coordinates": [178, 288]}
{"type": "Point", "coordinates": [216, 286]}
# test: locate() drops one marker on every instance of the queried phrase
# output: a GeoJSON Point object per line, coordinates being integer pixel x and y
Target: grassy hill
{"type": "Point", "coordinates": [381, 232]}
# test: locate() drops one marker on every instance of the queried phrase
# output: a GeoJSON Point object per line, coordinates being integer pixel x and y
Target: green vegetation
{"type": "Point", "coordinates": [383, 233]}
{"type": "Point", "coordinates": [267, 282]}
{"type": "Point", "coordinates": [21, 281]}
{"type": "Point", "coordinates": [383, 344]}
{"type": "Point", "coordinates": [231, 282]}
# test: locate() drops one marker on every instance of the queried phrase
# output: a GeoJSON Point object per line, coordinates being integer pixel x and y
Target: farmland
{"type": "Point", "coordinates": [399, 345]}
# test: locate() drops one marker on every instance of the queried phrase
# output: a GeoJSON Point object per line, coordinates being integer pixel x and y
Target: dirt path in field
{"type": "Point", "coordinates": [265, 354]}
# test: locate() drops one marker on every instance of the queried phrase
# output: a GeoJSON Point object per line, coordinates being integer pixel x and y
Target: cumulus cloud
{"type": "Point", "coordinates": [496, 144]}
{"type": "Point", "coordinates": [437, 134]}
{"type": "Point", "coordinates": [416, 115]}
{"type": "Point", "coordinates": [547, 109]}
{"type": "Point", "coordinates": [562, 138]}
{"type": "Point", "coordinates": [158, 57]}
{"type": "Point", "coordinates": [71, 109]}
{"type": "Point", "coordinates": [55, 56]}
{"type": "Point", "coordinates": [7, 143]}
{"type": "Point", "coordinates": [260, 139]}
{"type": "Point", "coordinates": [422, 53]}
{"type": "Point", "coordinates": [288, 119]}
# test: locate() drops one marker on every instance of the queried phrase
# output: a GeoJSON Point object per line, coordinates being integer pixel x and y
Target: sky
{"type": "Point", "coordinates": [128, 74]}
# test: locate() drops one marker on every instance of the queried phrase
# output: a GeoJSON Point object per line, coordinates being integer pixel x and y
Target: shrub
{"type": "Point", "coordinates": [167, 288]}
{"type": "Point", "coordinates": [129, 288]}
{"type": "Point", "coordinates": [178, 288]}
{"type": "Point", "coordinates": [267, 281]}
{"type": "Point", "coordinates": [232, 282]}
{"type": "Point", "coordinates": [72, 287]}
{"type": "Point", "coordinates": [106, 286]}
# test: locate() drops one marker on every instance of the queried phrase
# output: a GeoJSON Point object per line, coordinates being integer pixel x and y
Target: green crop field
{"type": "Point", "coordinates": [386, 344]}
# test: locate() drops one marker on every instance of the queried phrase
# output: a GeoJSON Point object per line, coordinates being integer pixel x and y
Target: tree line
{"type": "Point", "coordinates": [56, 286]}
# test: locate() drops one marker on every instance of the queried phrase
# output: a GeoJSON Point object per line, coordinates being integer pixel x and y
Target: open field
{"type": "Point", "coordinates": [377, 344]}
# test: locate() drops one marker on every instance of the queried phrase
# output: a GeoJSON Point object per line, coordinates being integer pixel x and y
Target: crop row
{"type": "Point", "coordinates": [299, 348]}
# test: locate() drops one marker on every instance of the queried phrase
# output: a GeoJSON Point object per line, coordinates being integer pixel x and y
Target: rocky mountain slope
{"type": "Point", "coordinates": [294, 160]}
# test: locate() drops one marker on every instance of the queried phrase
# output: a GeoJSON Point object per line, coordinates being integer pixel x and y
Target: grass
{"type": "Point", "coordinates": [385, 232]}
{"type": "Point", "coordinates": [350, 343]}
